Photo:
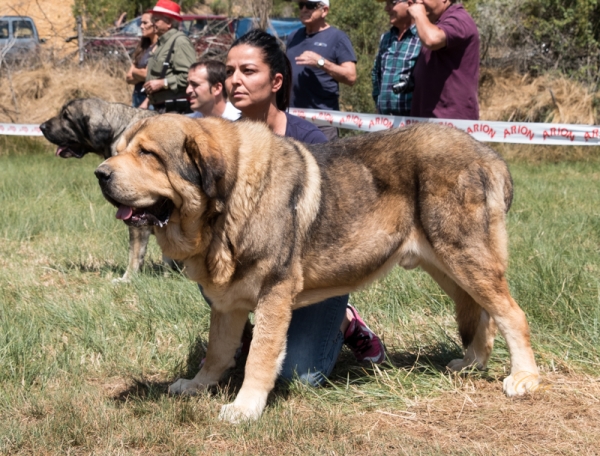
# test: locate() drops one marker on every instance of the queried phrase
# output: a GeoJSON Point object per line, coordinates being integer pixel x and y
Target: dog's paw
{"type": "Point", "coordinates": [236, 414]}
{"type": "Point", "coordinates": [184, 388]}
{"type": "Point", "coordinates": [123, 279]}
{"type": "Point", "coordinates": [457, 365]}
{"type": "Point", "coordinates": [521, 383]}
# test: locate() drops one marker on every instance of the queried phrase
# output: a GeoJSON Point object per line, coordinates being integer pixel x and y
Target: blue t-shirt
{"type": "Point", "coordinates": [312, 87]}
{"type": "Point", "coordinates": [302, 130]}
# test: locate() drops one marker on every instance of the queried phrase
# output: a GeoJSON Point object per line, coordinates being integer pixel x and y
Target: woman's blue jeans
{"type": "Point", "coordinates": [314, 340]}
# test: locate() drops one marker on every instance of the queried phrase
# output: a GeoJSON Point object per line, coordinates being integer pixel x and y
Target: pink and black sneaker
{"type": "Point", "coordinates": [363, 342]}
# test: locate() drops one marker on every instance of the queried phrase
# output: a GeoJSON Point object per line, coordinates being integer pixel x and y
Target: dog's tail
{"type": "Point", "coordinates": [508, 188]}
{"type": "Point", "coordinates": [497, 185]}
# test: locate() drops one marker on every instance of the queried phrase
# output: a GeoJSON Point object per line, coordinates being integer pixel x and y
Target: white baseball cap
{"type": "Point", "coordinates": [324, 2]}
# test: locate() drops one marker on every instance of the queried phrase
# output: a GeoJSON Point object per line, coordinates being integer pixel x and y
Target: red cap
{"type": "Point", "coordinates": [167, 8]}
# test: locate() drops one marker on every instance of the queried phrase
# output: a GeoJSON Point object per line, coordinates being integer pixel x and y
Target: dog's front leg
{"type": "Point", "coordinates": [138, 242]}
{"type": "Point", "coordinates": [223, 340]}
{"type": "Point", "coordinates": [267, 351]}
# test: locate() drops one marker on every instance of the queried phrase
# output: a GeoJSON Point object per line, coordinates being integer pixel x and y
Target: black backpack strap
{"type": "Point", "coordinates": [167, 61]}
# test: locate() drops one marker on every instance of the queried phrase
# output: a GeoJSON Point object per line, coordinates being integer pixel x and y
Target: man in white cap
{"type": "Point", "coordinates": [321, 56]}
{"type": "Point", "coordinates": [166, 78]}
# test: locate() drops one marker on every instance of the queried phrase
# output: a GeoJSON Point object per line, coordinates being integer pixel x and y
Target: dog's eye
{"type": "Point", "coordinates": [146, 152]}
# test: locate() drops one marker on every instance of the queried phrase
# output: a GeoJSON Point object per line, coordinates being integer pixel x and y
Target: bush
{"type": "Point", "coordinates": [569, 32]}
{"type": "Point", "coordinates": [364, 21]}
{"type": "Point", "coordinates": [538, 36]}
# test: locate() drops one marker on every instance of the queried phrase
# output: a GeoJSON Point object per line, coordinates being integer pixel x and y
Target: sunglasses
{"type": "Point", "coordinates": [309, 5]}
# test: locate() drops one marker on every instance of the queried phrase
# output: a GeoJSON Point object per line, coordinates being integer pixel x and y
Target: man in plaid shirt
{"type": "Point", "coordinates": [398, 52]}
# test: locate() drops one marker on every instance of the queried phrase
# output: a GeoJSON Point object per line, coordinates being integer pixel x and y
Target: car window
{"type": "Point", "coordinates": [3, 30]}
{"type": "Point", "coordinates": [22, 29]}
{"type": "Point", "coordinates": [132, 27]}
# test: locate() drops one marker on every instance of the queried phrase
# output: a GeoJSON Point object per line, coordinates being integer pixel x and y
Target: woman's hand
{"type": "Point", "coordinates": [129, 76]}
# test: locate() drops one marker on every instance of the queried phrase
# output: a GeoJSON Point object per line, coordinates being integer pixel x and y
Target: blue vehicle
{"type": "Point", "coordinates": [280, 28]}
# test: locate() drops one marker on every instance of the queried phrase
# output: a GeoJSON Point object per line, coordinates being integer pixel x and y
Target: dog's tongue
{"type": "Point", "coordinates": [124, 212]}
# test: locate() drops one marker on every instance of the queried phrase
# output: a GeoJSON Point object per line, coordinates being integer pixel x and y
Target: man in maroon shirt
{"type": "Point", "coordinates": [447, 71]}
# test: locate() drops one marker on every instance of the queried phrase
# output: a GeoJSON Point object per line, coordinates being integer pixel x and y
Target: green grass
{"type": "Point", "coordinates": [84, 364]}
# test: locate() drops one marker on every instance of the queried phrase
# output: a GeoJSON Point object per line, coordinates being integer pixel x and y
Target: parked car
{"type": "Point", "coordinates": [19, 38]}
{"type": "Point", "coordinates": [211, 35]}
{"type": "Point", "coordinates": [279, 27]}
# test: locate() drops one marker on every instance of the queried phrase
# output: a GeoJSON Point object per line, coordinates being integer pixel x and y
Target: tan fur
{"type": "Point", "coordinates": [269, 225]}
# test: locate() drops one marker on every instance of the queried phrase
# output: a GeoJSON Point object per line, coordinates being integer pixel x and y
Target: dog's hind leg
{"type": "Point", "coordinates": [138, 242]}
{"type": "Point", "coordinates": [478, 272]}
{"type": "Point", "coordinates": [464, 224]}
{"type": "Point", "coordinates": [477, 330]}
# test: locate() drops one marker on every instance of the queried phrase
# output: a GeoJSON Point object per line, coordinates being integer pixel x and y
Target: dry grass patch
{"type": "Point", "coordinates": [474, 419]}
{"type": "Point", "coordinates": [35, 95]}
{"type": "Point", "coordinates": [509, 96]}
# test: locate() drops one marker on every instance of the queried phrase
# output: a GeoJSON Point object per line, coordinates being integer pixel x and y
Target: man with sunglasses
{"type": "Point", "coordinates": [447, 70]}
{"type": "Point", "coordinates": [321, 56]}
{"type": "Point", "coordinates": [392, 71]}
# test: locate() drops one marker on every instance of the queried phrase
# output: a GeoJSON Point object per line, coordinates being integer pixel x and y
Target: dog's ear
{"type": "Point", "coordinates": [205, 152]}
{"type": "Point", "coordinates": [95, 127]}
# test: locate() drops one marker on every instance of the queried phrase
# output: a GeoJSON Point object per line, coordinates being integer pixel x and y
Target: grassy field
{"type": "Point", "coordinates": [85, 364]}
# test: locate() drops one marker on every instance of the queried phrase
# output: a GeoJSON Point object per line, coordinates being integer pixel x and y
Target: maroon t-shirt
{"type": "Point", "coordinates": [446, 80]}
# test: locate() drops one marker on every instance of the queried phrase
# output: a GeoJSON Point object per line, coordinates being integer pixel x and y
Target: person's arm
{"type": "Point", "coordinates": [138, 74]}
{"type": "Point", "coordinates": [144, 104]}
{"type": "Point", "coordinates": [431, 36]}
{"type": "Point", "coordinates": [129, 76]}
{"type": "Point", "coordinates": [344, 73]}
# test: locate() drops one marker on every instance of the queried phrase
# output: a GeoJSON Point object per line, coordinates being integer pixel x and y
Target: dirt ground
{"type": "Point", "coordinates": [560, 419]}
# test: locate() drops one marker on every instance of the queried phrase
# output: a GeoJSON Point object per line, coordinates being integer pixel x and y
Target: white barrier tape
{"type": "Point", "coordinates": [482, 130]}
{"type": "Point", "coordinates": [20, 129]}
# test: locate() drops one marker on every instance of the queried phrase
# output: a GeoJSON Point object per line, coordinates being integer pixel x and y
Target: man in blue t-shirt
{"type": "Point", "coordinates": [321, 57]}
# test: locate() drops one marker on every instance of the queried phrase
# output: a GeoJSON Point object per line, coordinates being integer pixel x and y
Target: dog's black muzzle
{"type": "Point", "coordinates": [104, 175]}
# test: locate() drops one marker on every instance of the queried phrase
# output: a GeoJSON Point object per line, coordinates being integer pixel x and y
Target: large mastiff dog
{"type": "Point", "coordinates": [93, 125]}
{"type": "Point", "coordinates": [267, 224]}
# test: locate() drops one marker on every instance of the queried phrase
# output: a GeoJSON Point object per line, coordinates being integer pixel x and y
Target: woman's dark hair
{"type": "Point", "coordinates": [142, 46]}
{"type": "Point", "coordinates": [275, 58]}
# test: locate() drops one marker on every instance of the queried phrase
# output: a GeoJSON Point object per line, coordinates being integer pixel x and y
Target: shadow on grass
{"type": "Point", "coordinates": [110, 269]}
{"type": "Point", "coordinates": [429, 360]}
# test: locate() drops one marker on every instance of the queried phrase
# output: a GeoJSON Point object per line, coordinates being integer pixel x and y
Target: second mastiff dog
{"type": "Point", "coordinates": [92, 125]}
{"type": "Point", "coordinates": [267, 224]}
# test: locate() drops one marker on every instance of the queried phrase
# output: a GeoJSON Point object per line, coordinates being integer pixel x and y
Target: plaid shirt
{"type": "Point", "coordinates": [393, 59]}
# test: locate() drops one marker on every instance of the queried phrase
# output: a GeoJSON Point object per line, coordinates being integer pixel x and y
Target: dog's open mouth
{"type": "Point", "coordinates": [158, 214]}
{"type": "Point", "coordinates": [69, 152]}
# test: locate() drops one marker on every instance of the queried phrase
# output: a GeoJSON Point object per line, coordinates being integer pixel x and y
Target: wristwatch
{"type": "Point", "coordinates": [321, 62]}
{"type": "Point", "coordinates": [166, 83]}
